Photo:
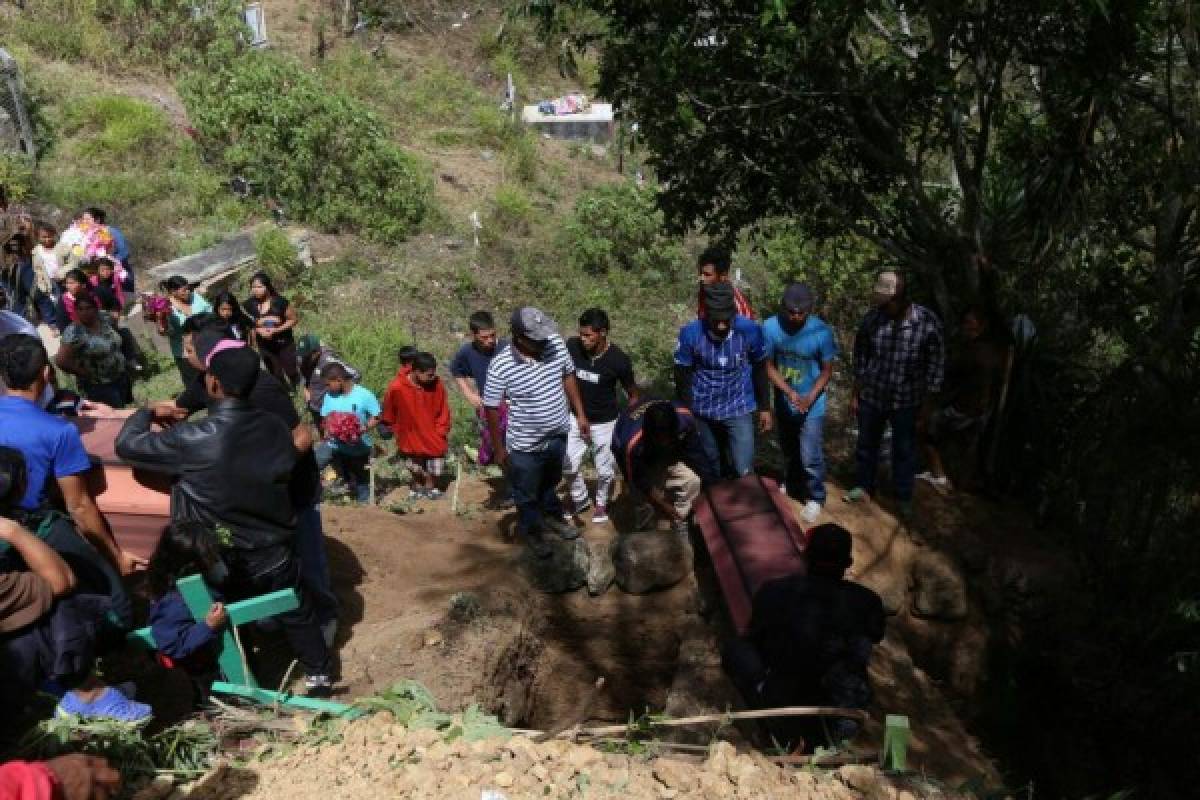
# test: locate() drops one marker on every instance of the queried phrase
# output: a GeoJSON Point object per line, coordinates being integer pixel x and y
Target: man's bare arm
{"type": "Point", "coordinates": [88, 520]}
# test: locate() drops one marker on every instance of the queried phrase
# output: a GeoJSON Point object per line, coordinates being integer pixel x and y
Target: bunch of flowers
{"type": "Point", "coordinates": [344, 427]}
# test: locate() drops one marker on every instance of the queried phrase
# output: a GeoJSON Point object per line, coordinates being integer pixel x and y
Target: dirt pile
{"type": "Point", "coordinates": [378, 758]}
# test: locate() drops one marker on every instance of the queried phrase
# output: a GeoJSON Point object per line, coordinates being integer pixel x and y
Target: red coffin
{"type": "Point", "coordinates": [136, 503]}
{"type": "Point", "coordinates": [751, 537]}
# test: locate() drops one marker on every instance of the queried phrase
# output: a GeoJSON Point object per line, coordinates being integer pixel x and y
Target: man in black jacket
{"type": "Point", "coordinates": [233, 469]}
{"type": "Point", "coordinates": [809, 643]}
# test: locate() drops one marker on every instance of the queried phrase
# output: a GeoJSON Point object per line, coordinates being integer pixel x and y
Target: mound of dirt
{"type": "Point", "coordinates": [378, 758]}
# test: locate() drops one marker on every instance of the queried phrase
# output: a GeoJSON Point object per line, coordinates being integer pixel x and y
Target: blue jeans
{"type": "Point", "coordinates": [534, 477]}
{"type": "Point", "coordinates": [802, 442]}
{"type": "Point", "coordinates": [871, 421]}
{"type": "Point", "coordinates": [728, 444]}
{"type": "Point", "coordinates": [314, 566]}
{"type": "Point", "coordinates": [351, 469]}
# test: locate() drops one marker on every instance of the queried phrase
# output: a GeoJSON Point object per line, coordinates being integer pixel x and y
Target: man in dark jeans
{"type": "Point", "coordinates": [809, 643]}
{"type": "Point", "coordinates": [234, 469]}
{"type": "Point", "coordinates": [536, 378]}
{"type": "Point", "coordinates": [899, 361]}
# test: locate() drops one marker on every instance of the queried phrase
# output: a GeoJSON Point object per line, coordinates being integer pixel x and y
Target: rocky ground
{"type": "Point", "coordinates": [378, 758]}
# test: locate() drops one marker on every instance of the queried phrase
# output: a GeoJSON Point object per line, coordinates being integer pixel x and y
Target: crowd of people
{"type": "Point", "coordinates": [245, 502]}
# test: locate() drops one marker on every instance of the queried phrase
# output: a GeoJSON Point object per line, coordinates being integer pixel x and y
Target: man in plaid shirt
{"type": "Point", "coordinates": [899, 361]}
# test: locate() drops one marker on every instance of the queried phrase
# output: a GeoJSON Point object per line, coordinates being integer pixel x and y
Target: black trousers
{"type": "Point", "coordinates": [254, 574]}
{"type": "Point", "coordinates": [746, 670]}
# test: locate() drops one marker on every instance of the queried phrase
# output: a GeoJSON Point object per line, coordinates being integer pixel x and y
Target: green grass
{"type": "Point", "coordinates": [125, 155]}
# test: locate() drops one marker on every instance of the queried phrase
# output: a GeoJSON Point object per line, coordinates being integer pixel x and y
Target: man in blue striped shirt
{"type": "Point", "coordinates": [720, 371]}
{"type": "Point", "coordinates": [535, 376]}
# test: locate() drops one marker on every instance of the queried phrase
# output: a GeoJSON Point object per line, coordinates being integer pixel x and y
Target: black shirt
{"type": "Point", "coordinates": [277, 307]}
{"type": "Point", "coordinates": [598, 378]}
{"type": "Point", "coordinates": [804, 625]}
{"type": "Point", "coordinates": [269, 396]}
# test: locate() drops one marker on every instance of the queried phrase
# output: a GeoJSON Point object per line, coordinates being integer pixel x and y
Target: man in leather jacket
{"type": "Point", "coordinates": [233, 471]}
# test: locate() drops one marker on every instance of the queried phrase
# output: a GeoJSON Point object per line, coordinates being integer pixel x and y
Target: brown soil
{"type": "Point", "coordinates": [526, 652]}
{"type": "Point", "coordinates": [377, 758]}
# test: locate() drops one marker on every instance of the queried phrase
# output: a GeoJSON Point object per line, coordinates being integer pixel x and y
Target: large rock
{"type": "Point", "coordinates": [564, 570]}
{"type": "Point", "coordinates": [601, 571]}
{"type": "Point", "coordinates": [939, 591]}
{"type": "Point", "coordinates": [650, 560]}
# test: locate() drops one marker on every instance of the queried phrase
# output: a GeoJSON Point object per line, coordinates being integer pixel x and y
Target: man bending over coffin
{"type": "Point", "coordinates": [658, 450]}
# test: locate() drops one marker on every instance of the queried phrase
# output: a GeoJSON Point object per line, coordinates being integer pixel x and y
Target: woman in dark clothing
{"type": "Point", "coordinates": [274, 320]}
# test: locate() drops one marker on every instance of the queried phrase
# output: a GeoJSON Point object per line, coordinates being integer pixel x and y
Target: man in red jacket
{"type": "Point", "coordinates": [416, 409]}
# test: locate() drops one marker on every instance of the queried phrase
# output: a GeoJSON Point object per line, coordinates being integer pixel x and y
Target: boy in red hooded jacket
{"type": "Point", "coordinates": [416, 409]}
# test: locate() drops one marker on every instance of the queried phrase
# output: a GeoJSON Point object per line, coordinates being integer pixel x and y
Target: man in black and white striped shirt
{"type": "Point", "coordinates": [536, 378]}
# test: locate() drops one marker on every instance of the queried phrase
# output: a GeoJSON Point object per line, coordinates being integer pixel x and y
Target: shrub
{"type": "Point", "coordinates": [512, 211]}
{"type": "Point", "coordinates": [16, 176]}
{"type": "Point", "coordinates": [322, 153]}
{"type": "Point", "coordinates": [276, 255]}
{"type": "Point", "coordinates": [114, 33]}
{"type": "Point", "coordinates": [839, 269]}
{"type": "Point", "coordinates": [619, 226]}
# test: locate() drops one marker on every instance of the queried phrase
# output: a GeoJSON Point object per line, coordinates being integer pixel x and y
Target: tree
{"type": "Point", "coordinates": [896, 121]}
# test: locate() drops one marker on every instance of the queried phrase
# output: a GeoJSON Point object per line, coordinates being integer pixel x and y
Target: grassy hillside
{"type": "Point", "coordinates": [561, 228]}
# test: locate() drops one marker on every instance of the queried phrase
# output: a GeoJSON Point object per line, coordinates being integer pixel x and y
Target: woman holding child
{"type": "Point", "coordinates": [274, 319]}
{"type": "Point", "coordinates": [185, 302]}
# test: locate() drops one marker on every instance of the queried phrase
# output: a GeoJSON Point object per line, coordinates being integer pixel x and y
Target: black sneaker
{"type": "Point", "coordinates": [318, 685]}
{"type": "Point", "coordinates": [565, 530]}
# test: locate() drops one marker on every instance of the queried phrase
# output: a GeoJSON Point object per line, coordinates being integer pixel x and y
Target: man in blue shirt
{"type": "Point", "coordinates": [720, 371]}
{"type": "Point", "coordinates": [52, 447]}
{"type": "Point", "coordinates": [800, 353]}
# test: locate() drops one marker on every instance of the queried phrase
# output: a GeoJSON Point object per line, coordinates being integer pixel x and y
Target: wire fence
{"type": "Point", "coordinates": [16, 132]}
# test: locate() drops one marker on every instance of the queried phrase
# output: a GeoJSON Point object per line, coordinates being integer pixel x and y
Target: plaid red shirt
{"type": "Point", "coordinates": [740, 304]}
{"type": "Point", "coordinates": [897, 363]}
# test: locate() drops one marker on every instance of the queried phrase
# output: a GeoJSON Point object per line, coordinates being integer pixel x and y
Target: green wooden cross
{"type": "Point", "coordinates": [895, 743]}
{"type": "Point", "coordinates": [238, 678]}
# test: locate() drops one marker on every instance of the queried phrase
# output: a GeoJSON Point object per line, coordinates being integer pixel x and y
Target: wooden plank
{"type": "Point", "coordinates": [199, 601]}
{"type": "Point", "coordinates": [270, 698]}
{"type": "Point", "coordinates": [263, 606]}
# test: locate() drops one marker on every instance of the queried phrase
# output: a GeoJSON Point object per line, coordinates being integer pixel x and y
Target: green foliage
{"type": "Point", "coordinates": [115, 33]}
{"type": "Point", "coordinates": [16, 176]}
{"type": "Point", "coordinates": [369, 343]}
{"type": "Point", "coordinates": [124, 155]}
{"type": "Point", "coordinates": [276, 255]}
{"type": "Point", "coordinates": [323, 154]}
{"type": "Point", "coordinates": [838, 269]}
{"type": "Point", "coordinates": [512, 211]}
{"type": "Point", "coordinates": [184, 751]}
{"type": "Point", "coordinates": [116, 129]}
{"type": "Point", "coordinates": [413, 706]}
{"type": "Point", "coordinates": [618, 226]}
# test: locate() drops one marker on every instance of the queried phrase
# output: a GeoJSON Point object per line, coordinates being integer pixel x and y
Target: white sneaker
{"type": "Point", "coordinates": [812, 510]}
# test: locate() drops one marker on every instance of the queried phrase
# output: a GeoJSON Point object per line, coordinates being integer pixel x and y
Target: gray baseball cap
{"type": "Point", "coordinates": [534, 323]}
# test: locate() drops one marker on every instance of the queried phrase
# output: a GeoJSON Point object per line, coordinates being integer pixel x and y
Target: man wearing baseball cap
{"type": "Point", "coordinates": [801, 349]}
{"type": "Point", "coordinates": [899, 362]}
{"type": "Point", "coordinates": [535, 378]}
{"type": "Point", "coordinates": [720, 372]}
